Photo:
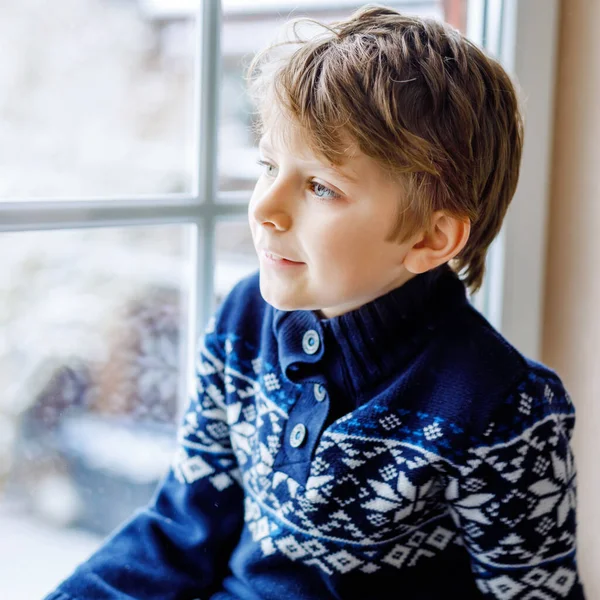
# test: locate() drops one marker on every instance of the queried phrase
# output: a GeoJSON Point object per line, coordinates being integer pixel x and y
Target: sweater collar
{"type": "Point", "coordinates": [370, 340]}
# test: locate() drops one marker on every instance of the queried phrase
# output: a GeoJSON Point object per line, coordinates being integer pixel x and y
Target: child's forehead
{"type": "Point", "coordinates": [286, 137]}
{"type": "Point", "coordinates": [325, 139]}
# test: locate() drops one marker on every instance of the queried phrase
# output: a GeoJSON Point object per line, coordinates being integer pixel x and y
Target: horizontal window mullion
{"type": "Point", "coordinates": [234, 197]}
{"type": "Point", "coordinates": [44, 215]}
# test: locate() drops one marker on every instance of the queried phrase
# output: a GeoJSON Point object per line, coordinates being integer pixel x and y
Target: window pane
{"type": "Point", "coordinates": [92, 372]}
{"type": "Point", "coordinates": [248, 27]}
{"type": "Point", "coordinates": [97, 98]}
{"type": "Point", "coordinates": [236, 256]}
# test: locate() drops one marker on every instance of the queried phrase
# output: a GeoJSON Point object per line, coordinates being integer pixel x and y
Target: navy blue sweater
{"type": "Point", "coordinates": [402, 450]}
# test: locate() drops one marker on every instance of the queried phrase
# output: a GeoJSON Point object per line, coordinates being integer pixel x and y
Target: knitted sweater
{"type": "Point", "coordinates": [403, 449]}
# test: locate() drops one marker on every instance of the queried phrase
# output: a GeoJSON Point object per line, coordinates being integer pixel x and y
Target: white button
{"type": "Point", "coordinates": [320, 392]}
{"type": "Point", "coordinates": [310, 341]}
{"type": "Point", "coordinates": [298, 435]}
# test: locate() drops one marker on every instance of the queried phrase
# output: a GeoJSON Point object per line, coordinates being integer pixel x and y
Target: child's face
{"type": "Point", "coordinates": [320, 232]}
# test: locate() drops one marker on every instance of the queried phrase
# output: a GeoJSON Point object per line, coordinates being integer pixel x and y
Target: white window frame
{"type": "Point", "coordinates": [527, 47]}
{"type": "Point", "coordinates": [513, 297]}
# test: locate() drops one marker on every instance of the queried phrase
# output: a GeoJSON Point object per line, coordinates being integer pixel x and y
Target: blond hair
{"type": "Point", "coordinates": [416, 96]}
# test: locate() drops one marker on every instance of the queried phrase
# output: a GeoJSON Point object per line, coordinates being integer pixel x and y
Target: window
{"type": "Point", "coordinates": [122, 226]}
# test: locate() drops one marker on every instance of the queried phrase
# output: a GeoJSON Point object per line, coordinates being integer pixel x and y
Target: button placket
{"type": "Point", "coordinates": [305, 345]}
{"type": "Point", "coordinates": [298, 435]}
{"type": "Point", "coordinates": [311, 342]}
{"type": "Point", "coordinates": [319, 392]}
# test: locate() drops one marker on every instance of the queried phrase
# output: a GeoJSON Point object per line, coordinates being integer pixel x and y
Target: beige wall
{"type": "Point", "coordinates": [571, 333]}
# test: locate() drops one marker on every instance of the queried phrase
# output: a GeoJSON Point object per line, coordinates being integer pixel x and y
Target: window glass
{"type": "Point", "coordinates": [235, 254]}
{"type": "Point", "coordinates": [97, 98]}
{"type": "Point", "coordinates": [92, 373]}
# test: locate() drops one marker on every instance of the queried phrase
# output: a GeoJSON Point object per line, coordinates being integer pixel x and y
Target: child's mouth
{"type": "Point", "coordinates": [277, 260]}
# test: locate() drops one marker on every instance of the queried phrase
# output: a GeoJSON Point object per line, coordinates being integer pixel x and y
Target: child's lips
{"type": "Point", "coordinates": [276, 259]}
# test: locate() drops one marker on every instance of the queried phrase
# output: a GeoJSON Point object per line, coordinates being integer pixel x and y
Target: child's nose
{"type": "Point", "coordinates": [271, 209]}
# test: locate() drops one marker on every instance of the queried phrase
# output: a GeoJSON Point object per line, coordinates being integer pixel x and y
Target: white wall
{"type": "Point", "coordinates": [571, 340]}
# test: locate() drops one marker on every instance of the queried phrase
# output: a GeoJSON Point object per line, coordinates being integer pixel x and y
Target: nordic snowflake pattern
{"type": "Point", "coordinates": [389, 488]}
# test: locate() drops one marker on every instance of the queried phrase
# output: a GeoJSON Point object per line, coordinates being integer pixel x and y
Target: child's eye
{"type": "Point", "coordinates": [317, 189]}
{"type": "Point", "coordinates": [322, 191]}
{"type": "Point", "coordinates": [269, 169]}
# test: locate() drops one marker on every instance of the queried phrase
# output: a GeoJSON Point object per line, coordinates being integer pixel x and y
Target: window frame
{"type": "Point", "coordinates": [527, 48]}
{"type": "Point", "coordinates": [523, 36]}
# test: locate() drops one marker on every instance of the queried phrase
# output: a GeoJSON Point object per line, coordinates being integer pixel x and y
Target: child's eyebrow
{"type": "Point", "coordinates": [342, 174]}
{"type": "Point", "coordinates": [264, 146]}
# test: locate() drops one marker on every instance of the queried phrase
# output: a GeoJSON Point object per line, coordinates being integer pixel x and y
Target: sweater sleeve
{"type": "Point", "coordinates": [179, 545]}
{"type": "Point", "coordinates": [512, 495]}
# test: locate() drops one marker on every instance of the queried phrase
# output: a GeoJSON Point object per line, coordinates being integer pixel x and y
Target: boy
{"type": "Point", "coordinates": [359, 429]}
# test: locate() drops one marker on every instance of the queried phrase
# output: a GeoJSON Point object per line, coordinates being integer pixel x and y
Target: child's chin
{"type": "Point", "coordinates": [279, 301]}
{"type": "Point", "coordinates": [281, 304]}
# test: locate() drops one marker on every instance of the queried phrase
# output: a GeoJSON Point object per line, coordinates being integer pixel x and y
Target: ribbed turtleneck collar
{"type": "Point", "coordinates": [372, 341]}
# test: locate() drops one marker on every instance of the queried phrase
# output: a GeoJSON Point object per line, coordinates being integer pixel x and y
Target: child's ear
{"type": "Point", "coordinates": [445, 238]}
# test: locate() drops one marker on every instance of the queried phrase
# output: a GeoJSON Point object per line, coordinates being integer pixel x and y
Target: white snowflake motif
{"type": "Point", "coordinates": [540, 466]}
{"type": "Point", "coordinates": [505, 587]}
{"type": "Point", "coordinates": [271, 382]}
{"type": "Point", "coordinates": [229, 385]}
{"type": "Point", "coordinates": [343, 561]}
{"type": "Point", "coordinates": [390, 422]}
{"type": "Point", "coordinates": [561, 581]}
{"type": "Point", "coordinates": [210, 326]}
{"type": "Point", "coordinates": [472, 484]}
{"type": "Point", "coordinates": [489, 430]}
{"type": "Point", "coordinates": [257, 365]}
{"type": "Point", "coordinates": [388, 472]}
{"type": "Point", "coordinates": [290, 547]}
{"type": "Point", "coordinates": [204, 367]}
{"type": "Point", "coordinates": [259, 529]}
{"type": "Point", "coordinates": [377, 520]}
{"type": "Point", "coordinates": [548, 394]}
{"type": "Point", "coordinates": [440, 537]}
{"type": "Point", "coordinates": [274, 444]}
{"type": "Point", "coordinates": [318, 466]}
{"type": "Point", "coordinates": [218, 430]}
{"type": "Point", "coordinates": [190, 424]}
{"type": "Point", "coordinates": [544, 526]}
{"type": "Point", "coordinates": [221, 481]}
{"type": "Point", "coordinates": [473, 531]}
{"type": "Point", "coordinates": [525, 404]}
{"type": "Point", "coordinates": [215, 393]}
{"type": "Point", "coordinates": [558, 492]}
{"type": "Point", "coordinates": [192, 468]}
{"type": "Point", "coordinates": [432, 431]}
{"type": "Point", "coordinates": [249, 412]}
{"type": "Point", "coordinates": [387, 499]}
{"type": "Point", "coordinates": [314, 547]}
{"type": "Point", "coordinates": [370, 568]}
{"type": "Point", "coordinates": [469, 506]}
